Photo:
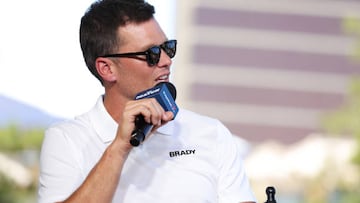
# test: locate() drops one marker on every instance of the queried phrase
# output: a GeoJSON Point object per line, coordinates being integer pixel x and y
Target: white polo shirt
{"type": "Point", "coordinates": [191, 159]}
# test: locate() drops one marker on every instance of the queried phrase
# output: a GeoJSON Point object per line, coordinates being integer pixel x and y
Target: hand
{"type": "Point", "coordinates": [152, 112]}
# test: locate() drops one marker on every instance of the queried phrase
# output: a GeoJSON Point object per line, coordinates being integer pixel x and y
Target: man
{"type": "Point", "coordinates": [89, 159]}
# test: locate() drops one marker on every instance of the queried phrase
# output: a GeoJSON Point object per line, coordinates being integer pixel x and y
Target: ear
{"type": "Point", "coordinates": [104, 68]}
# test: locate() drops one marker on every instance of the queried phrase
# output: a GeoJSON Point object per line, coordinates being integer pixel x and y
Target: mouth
{"type": "Point", "coordinates": [163, 78]}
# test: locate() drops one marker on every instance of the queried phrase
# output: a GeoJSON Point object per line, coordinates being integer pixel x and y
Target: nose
{"type": "Point", "coordinates": [164, 61]}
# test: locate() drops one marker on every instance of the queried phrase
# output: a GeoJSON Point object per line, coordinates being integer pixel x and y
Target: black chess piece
{"type": "Point", "coordinates": [270, 193]}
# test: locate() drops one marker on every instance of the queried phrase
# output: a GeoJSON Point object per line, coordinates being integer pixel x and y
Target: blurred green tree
{"type": "Point", "coordinates": [346, 120]}
{"type": "Point", "coordinates": [14, 141]}
{"type": "Point", "coordinates": [351, 25]}
{"type": "Point", "coordinates": [14, 138]}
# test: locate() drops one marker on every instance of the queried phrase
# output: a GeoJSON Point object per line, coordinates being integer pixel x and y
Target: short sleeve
{"type": "Point", "coordinates": [59, 175]}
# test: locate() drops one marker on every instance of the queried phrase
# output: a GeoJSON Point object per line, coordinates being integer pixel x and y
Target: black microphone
{"type": "Point", "coordinates": [165, 94]}
{"type": "Point", "coordinates": [270, 193]}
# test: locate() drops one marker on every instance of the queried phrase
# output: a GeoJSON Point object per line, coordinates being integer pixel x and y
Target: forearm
{"type": "Point", "coordinates": [101, 183]}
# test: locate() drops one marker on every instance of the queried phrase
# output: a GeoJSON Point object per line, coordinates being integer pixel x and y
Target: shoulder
{"type": "Point", "coordinates": [79, 122]}
{"type": "Point", "coordinates": [73, 130]}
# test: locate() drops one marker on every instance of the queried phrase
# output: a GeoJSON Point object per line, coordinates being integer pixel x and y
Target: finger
{"type": "Point", "coordinates": [156, 111]}
{"type": "Point", "coordinates": [149, 108]}
{"type": "Point", "coordinates": [167, 116]}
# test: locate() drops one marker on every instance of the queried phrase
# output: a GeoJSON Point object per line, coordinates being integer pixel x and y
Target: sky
{"type": "Point", "coordinates": [40, 57]}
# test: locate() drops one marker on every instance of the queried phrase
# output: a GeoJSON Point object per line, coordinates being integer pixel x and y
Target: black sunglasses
{"type": "Point", "coordinates": [152, 54]}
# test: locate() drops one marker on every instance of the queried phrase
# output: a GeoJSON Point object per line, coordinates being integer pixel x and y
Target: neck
{"type": "Point", "coordinates": [114, 103]}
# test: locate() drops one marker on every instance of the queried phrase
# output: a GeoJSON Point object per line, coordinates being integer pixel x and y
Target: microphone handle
{"type": "Point", "coordinates": [142, 128]}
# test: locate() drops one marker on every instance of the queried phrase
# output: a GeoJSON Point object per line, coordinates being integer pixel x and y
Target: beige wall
{"type": "Point", "coordinates": [268, 70]}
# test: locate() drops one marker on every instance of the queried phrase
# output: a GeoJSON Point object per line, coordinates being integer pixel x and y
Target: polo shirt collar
{"type": "Point", "coordinates": [106, 127]}
{"type": "Point", "coordinates": [167, 129]}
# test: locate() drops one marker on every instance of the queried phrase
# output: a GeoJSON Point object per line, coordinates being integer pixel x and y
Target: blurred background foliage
{"type": "Point", "coordinates": [351, 26]}
{"type": "Point", "coordinates": [11, 193]}
{"type": "Point", "coordinates": [23, 146]}
{"type": "Point", "coordinates": [14, 138]}
{"type": "Point", "coordinates": [345, 121]}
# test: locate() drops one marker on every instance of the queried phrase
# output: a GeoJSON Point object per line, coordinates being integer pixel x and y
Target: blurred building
{"type": "Point", "coordinates": [267, 69]}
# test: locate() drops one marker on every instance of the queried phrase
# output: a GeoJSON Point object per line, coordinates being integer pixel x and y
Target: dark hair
{"type": "Point", "coordinates": [99, 25]}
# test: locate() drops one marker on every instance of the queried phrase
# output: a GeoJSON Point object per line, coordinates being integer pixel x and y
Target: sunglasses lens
{"type": "Point", "coordinates": [153, 55]}
{"type": "Point", "coordinates": [170, 48]}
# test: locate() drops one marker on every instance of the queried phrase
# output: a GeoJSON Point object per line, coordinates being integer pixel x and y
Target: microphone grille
{"type": "Point", "coordinates": [170, 87]}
